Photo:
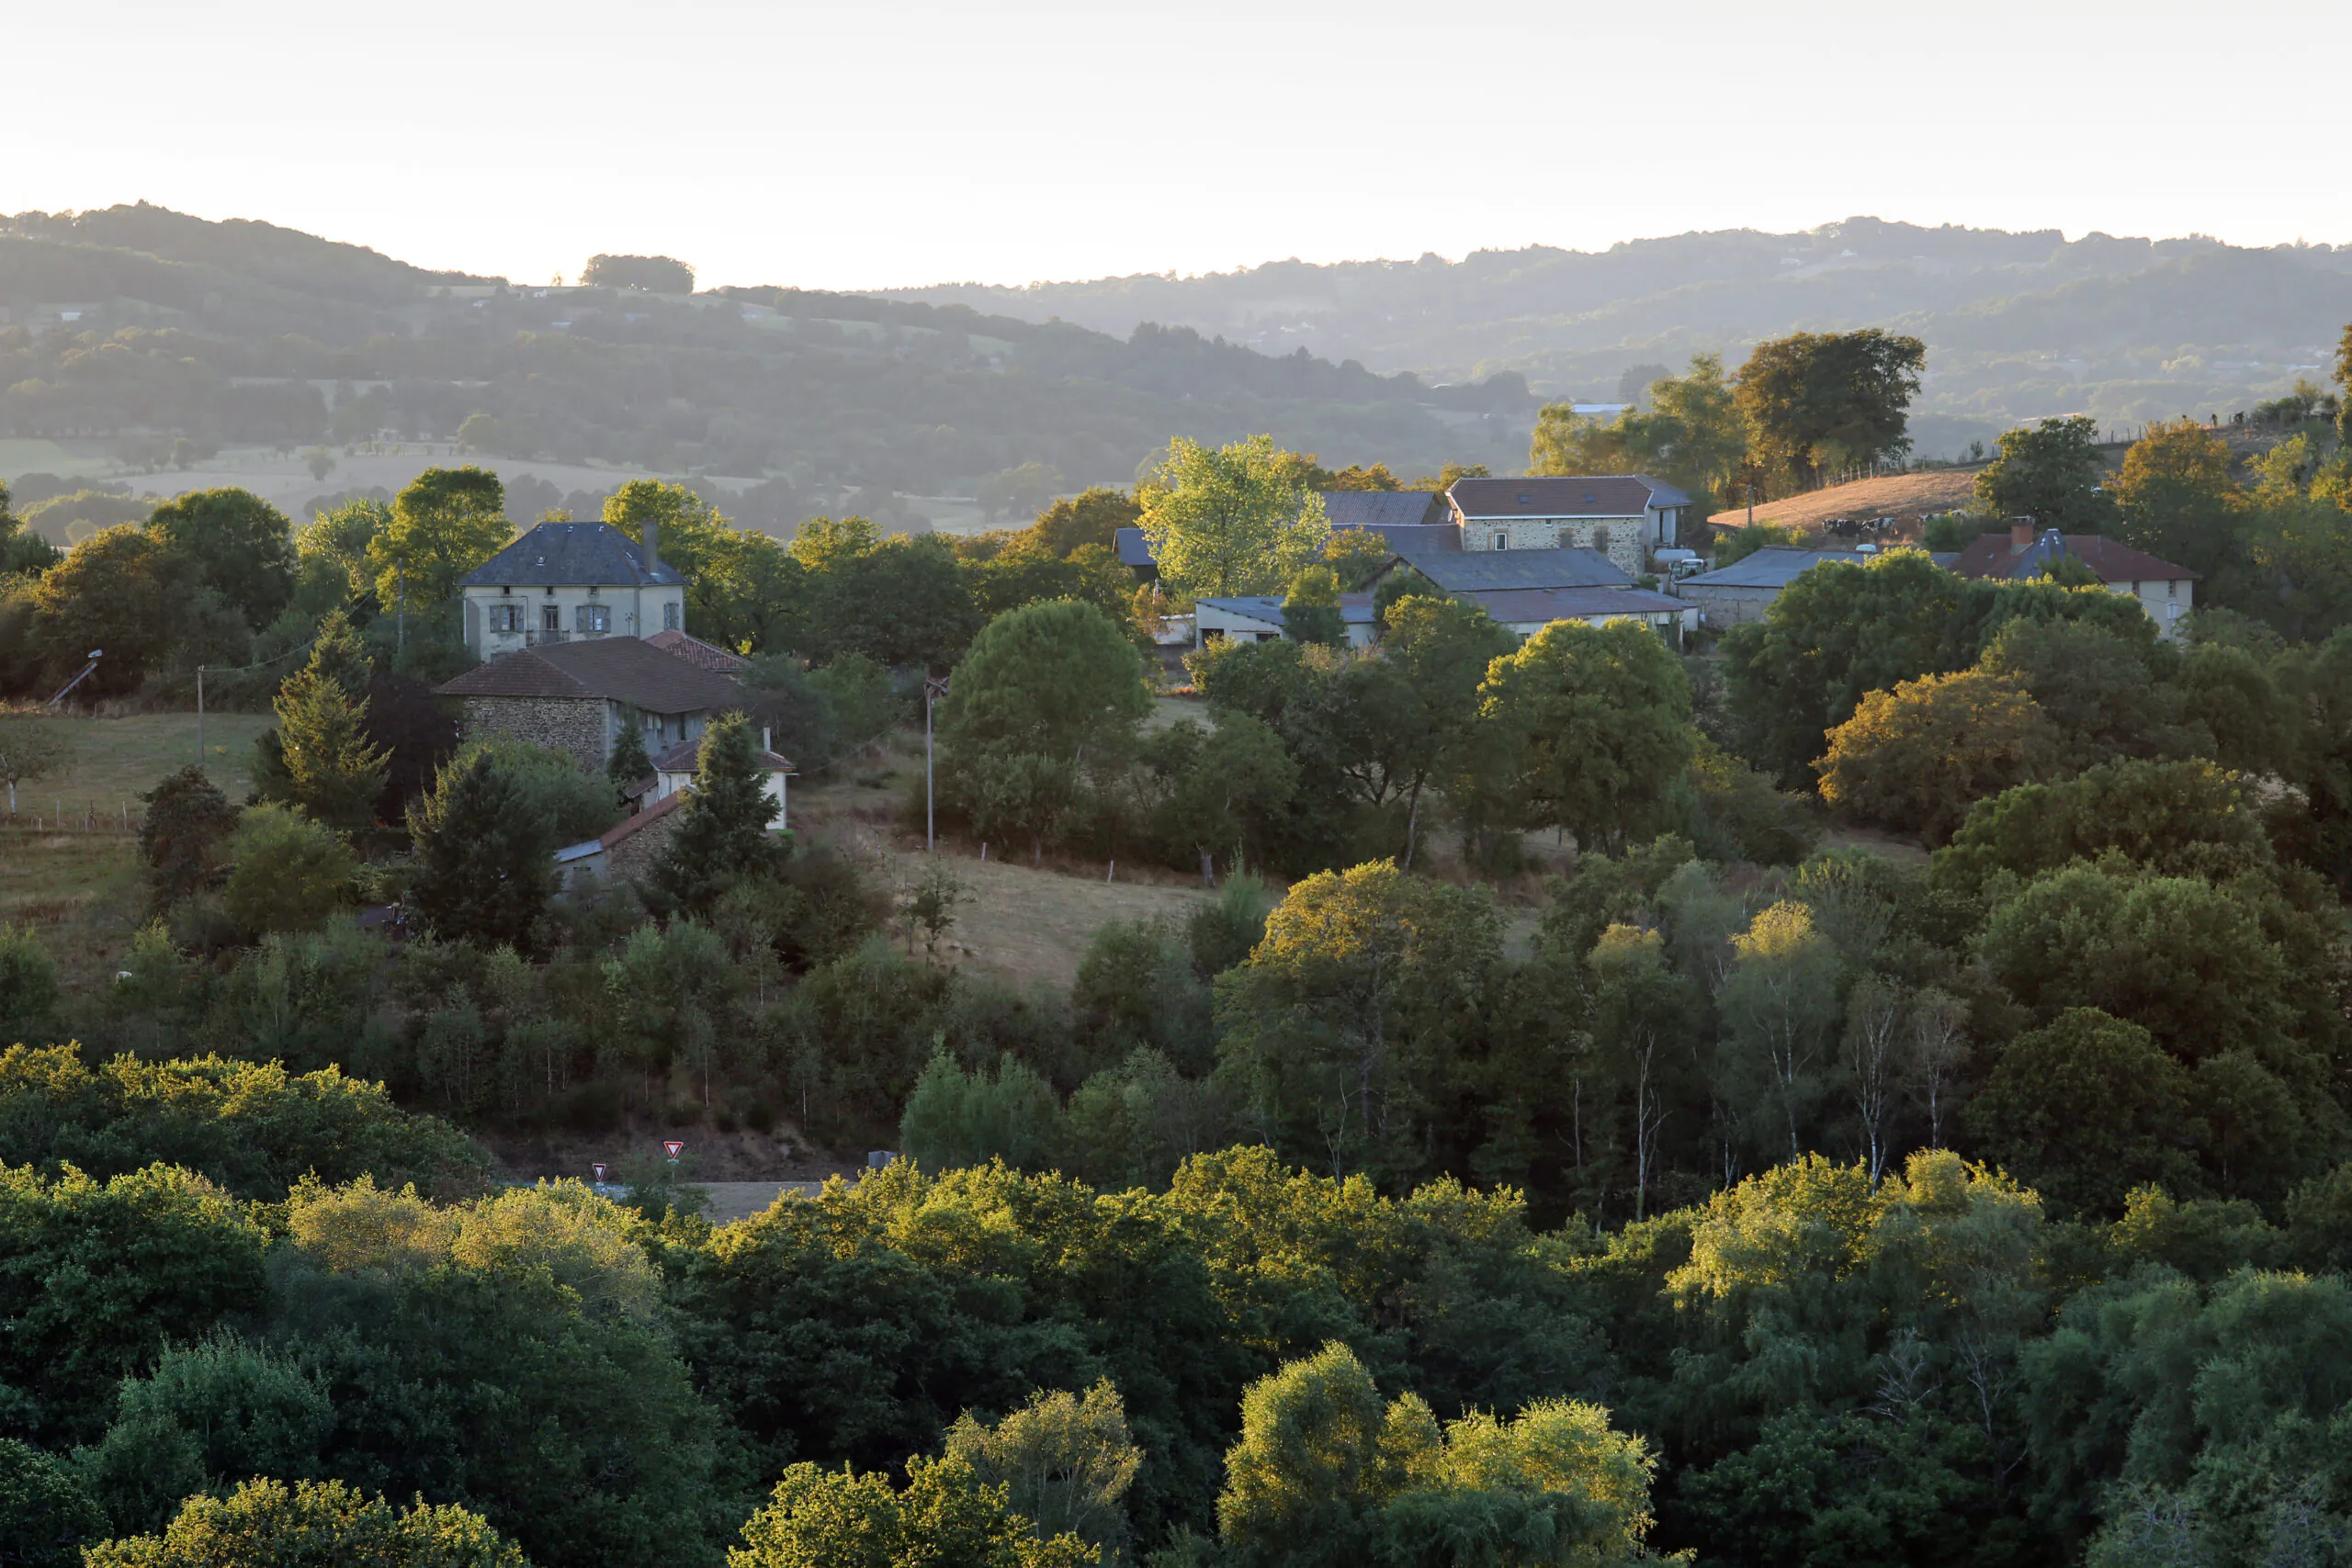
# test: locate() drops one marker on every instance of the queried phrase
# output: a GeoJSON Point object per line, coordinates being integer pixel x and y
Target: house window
{"type": "Point", "coordinates": [1502, 541]}
{"type": "Point", "coordinates": [1567, 539]}
{"type": "Point", "coordinates": [1601, 540]}
{"type": "Point", "coordinates": [2172, 589]}
{"type": "Point", "coordinates": [506, 617]}
{"type": "Point", "coordinates": [550, 618]}
{"type": "Point", "coordinates": [593, 619]}
{"type": "Point", "coordinates": [670, 617]}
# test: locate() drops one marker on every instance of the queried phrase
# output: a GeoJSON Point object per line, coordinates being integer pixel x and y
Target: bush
{"type": "Point", "coordinates": [289, 873]}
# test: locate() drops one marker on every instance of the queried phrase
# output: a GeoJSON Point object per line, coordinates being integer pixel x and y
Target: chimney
{"type": "Point", "coordinates": [652, 543]}
{"type": "Point", "coordinates": [2021, 535]}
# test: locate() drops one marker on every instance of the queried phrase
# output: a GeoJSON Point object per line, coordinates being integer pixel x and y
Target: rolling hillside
{"type": "Point", "coordinates": [128, 329]}
{"type": "Point", "coordinates": [2017, 324]}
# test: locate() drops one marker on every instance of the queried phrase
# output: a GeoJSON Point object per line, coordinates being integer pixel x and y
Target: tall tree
{"type": "Point", "coordinates": [2050, 472]}
{"type": "Point", "coordinates": [235, 544]}
{"type": "Point", "coordinates": [121, 591]}
{"type": "Point", "coordinates": [445, 523]}
{"type": "Point", "coordinates": [723, 834]}
{"type": "Point", "coordinates": [1600, 718]}
{"type": "Point", "coordinates": [1093, 516]}
{"type": "Point", "coordinates": [1346, 1022]}
{"type": "Point", "coordinates": [1045, 691]}
{"type": "Point", "coordinates": [180, 837]}
{"type": "Point", "coordinates": [1235, 519]}
{"type": "Point", "coordinates": [1825, 401]}
{"type": "Point", "coordinates": [484, 851]}
{"type": "Point", "coordinates": [1918, 757]}
{"type": "Point", "coordinates": [332, 770]}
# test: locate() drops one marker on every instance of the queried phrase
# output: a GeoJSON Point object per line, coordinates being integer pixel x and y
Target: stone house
{"type": "Point", "coordinates": [2167, 592]}
{"type": "Point", "coordinates": [578, 696]}
{"type": "Point", "coordinates": [1621, 517]}
{"type": "Point", "coordinates": [564, 582]}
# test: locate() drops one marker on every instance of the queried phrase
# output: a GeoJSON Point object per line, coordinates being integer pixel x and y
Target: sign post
{"type": "Point", "coordinates": [673, 1149]}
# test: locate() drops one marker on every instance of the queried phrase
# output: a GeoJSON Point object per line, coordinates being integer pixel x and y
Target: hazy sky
{"type": "Point", "coordinates": [838, 145]}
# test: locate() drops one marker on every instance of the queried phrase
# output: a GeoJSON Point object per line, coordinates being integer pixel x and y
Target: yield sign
{"type": "Point", "coordinates": [600, 1173]}
{"type": "Point", "coordinates": [674, 1148]}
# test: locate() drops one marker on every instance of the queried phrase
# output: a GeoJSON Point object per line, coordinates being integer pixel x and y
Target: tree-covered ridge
{"type": "Point", "coordinates": [245, 333]}
{"type": "Point", "coordinates": [2018, 324]}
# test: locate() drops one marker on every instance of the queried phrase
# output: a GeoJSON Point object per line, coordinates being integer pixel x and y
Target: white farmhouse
{"type": "Point", "coordinates": [569, 583]}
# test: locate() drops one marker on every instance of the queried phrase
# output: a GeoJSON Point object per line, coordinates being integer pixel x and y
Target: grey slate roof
{"type": "Point", "coordinates": [570, 555]}
{"type": "Point", "coordinates": [1772, 567]}
{"type": "Point", "coordinates": [1471, 571]}
{"type": "Point", "coordinates": [618, 669]}
{"type": "Point", "coordinates": [1776, 566]}
{"type": "Point", "coordinates": [1664, 494]}
{"type": "Point", "coordinates": [1133, 547]}
{"type": "Point", "coordinates": [1381, 510]}
{"type": "Point", "coordinates": [1518, 605]}
{"type": "Point", "coordinates": [1575, 495]}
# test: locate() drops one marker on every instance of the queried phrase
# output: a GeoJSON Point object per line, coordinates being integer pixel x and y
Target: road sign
{"type": "Point", "coordinates": [600, 1175]}
{"type": "Point", "coordinates": [673, 1149]}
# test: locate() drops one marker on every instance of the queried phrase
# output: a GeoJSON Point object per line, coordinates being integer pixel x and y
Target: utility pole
{"type": "Point", "coordinates": [200, 719]}
{"type": "Point", "coordinates": [399, 591]}
{"type": "Point", "coordinates": [932, 689]}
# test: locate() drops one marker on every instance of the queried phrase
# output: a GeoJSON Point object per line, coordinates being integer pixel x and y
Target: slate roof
{"type": "Point", "coordinates": [619, 669]}
{"type": "Point", "coordinates": [694, 650]}
{"type": "Point", "coordinates": [1381, 510]}
{"type": "Point", "coordinates": [570, 555]}
{"type": "Point", "coordinates": [1133, 547]}
{"type": "Point", "coordinates": [1576, 495]}
{"type": "Point", "coordinates": [1355, 609]}
{"type": "Point", "coordinates": [1471, 571]}
{"type": "Point", "coordinates": [682, 758]}
{"type": "Point", "coordinates": [1518, 605]}
{"type": "Point", "coordinates": [1772, 567]}
{"type": "Point", "coordinates": [1994, 554]}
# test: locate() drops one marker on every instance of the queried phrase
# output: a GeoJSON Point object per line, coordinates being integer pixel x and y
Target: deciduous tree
{"type": "Point", "coordinates": [1235, 519]}
{"type": "Point", "coordinates": [235, 544]}
{"type": "Point", "coordinates": [1817, 401]}
{"type": "Point", "coordinates": [1601, 719]}
{"type": "Point", "coordinates": [1918, 757]}
{"type": "Point", "coordinates": [445, 523]}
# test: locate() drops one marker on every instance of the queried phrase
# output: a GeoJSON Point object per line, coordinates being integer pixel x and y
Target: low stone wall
{"type": "Point", "coordinates": [574, 724]}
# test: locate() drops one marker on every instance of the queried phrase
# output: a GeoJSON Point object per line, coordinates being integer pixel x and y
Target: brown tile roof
{"type": "Point", "coordinates": [621, 668]}
{"type": "Point", "coordinates": [694, 650]}
{"type": "Point", "coordinates": [1576, 495]}
{"type": "Point", "coordinates": [1996, 555]}
{"type": "Point", "coordinates": [641, 820]}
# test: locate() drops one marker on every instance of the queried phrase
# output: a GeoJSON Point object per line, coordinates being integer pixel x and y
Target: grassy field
{"type": "Point", "coordinates": [118, 760]}
{"type": "Point", "coordinates": [31, 456]}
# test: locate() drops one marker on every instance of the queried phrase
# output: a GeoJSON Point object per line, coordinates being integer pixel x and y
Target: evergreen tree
{"type": "Point", "coordinates": [722, 833]}
{"type": "Point", "coordinates": [629, 762]}
{"type": "Point", "coordinates": [483, 854]}
{"type": "Point", "coordinates": [332, 770]}
{"type": "Point", "coordinates": [187, 817]}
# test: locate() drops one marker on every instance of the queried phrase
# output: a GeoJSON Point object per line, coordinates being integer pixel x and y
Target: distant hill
{"type": "Point", "coordinates": [134, 326]}
{"type": "Point", "coordinates": [2018, 325]}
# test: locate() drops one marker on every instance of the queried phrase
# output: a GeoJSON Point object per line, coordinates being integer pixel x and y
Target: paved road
{"type": "Point", "coordinates": [731, 1200]}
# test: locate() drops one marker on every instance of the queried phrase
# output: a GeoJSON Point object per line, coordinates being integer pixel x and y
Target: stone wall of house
{"type": "Point", "coordinates": [576, 724]}
{"type": "Point", "coordinates": [631, 857]}
{"type": "Point", "coordinates": [1624, 545]}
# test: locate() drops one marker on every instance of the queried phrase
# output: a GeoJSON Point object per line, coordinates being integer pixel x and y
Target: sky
{"type": "Point", "coordinates": [887, 143]}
